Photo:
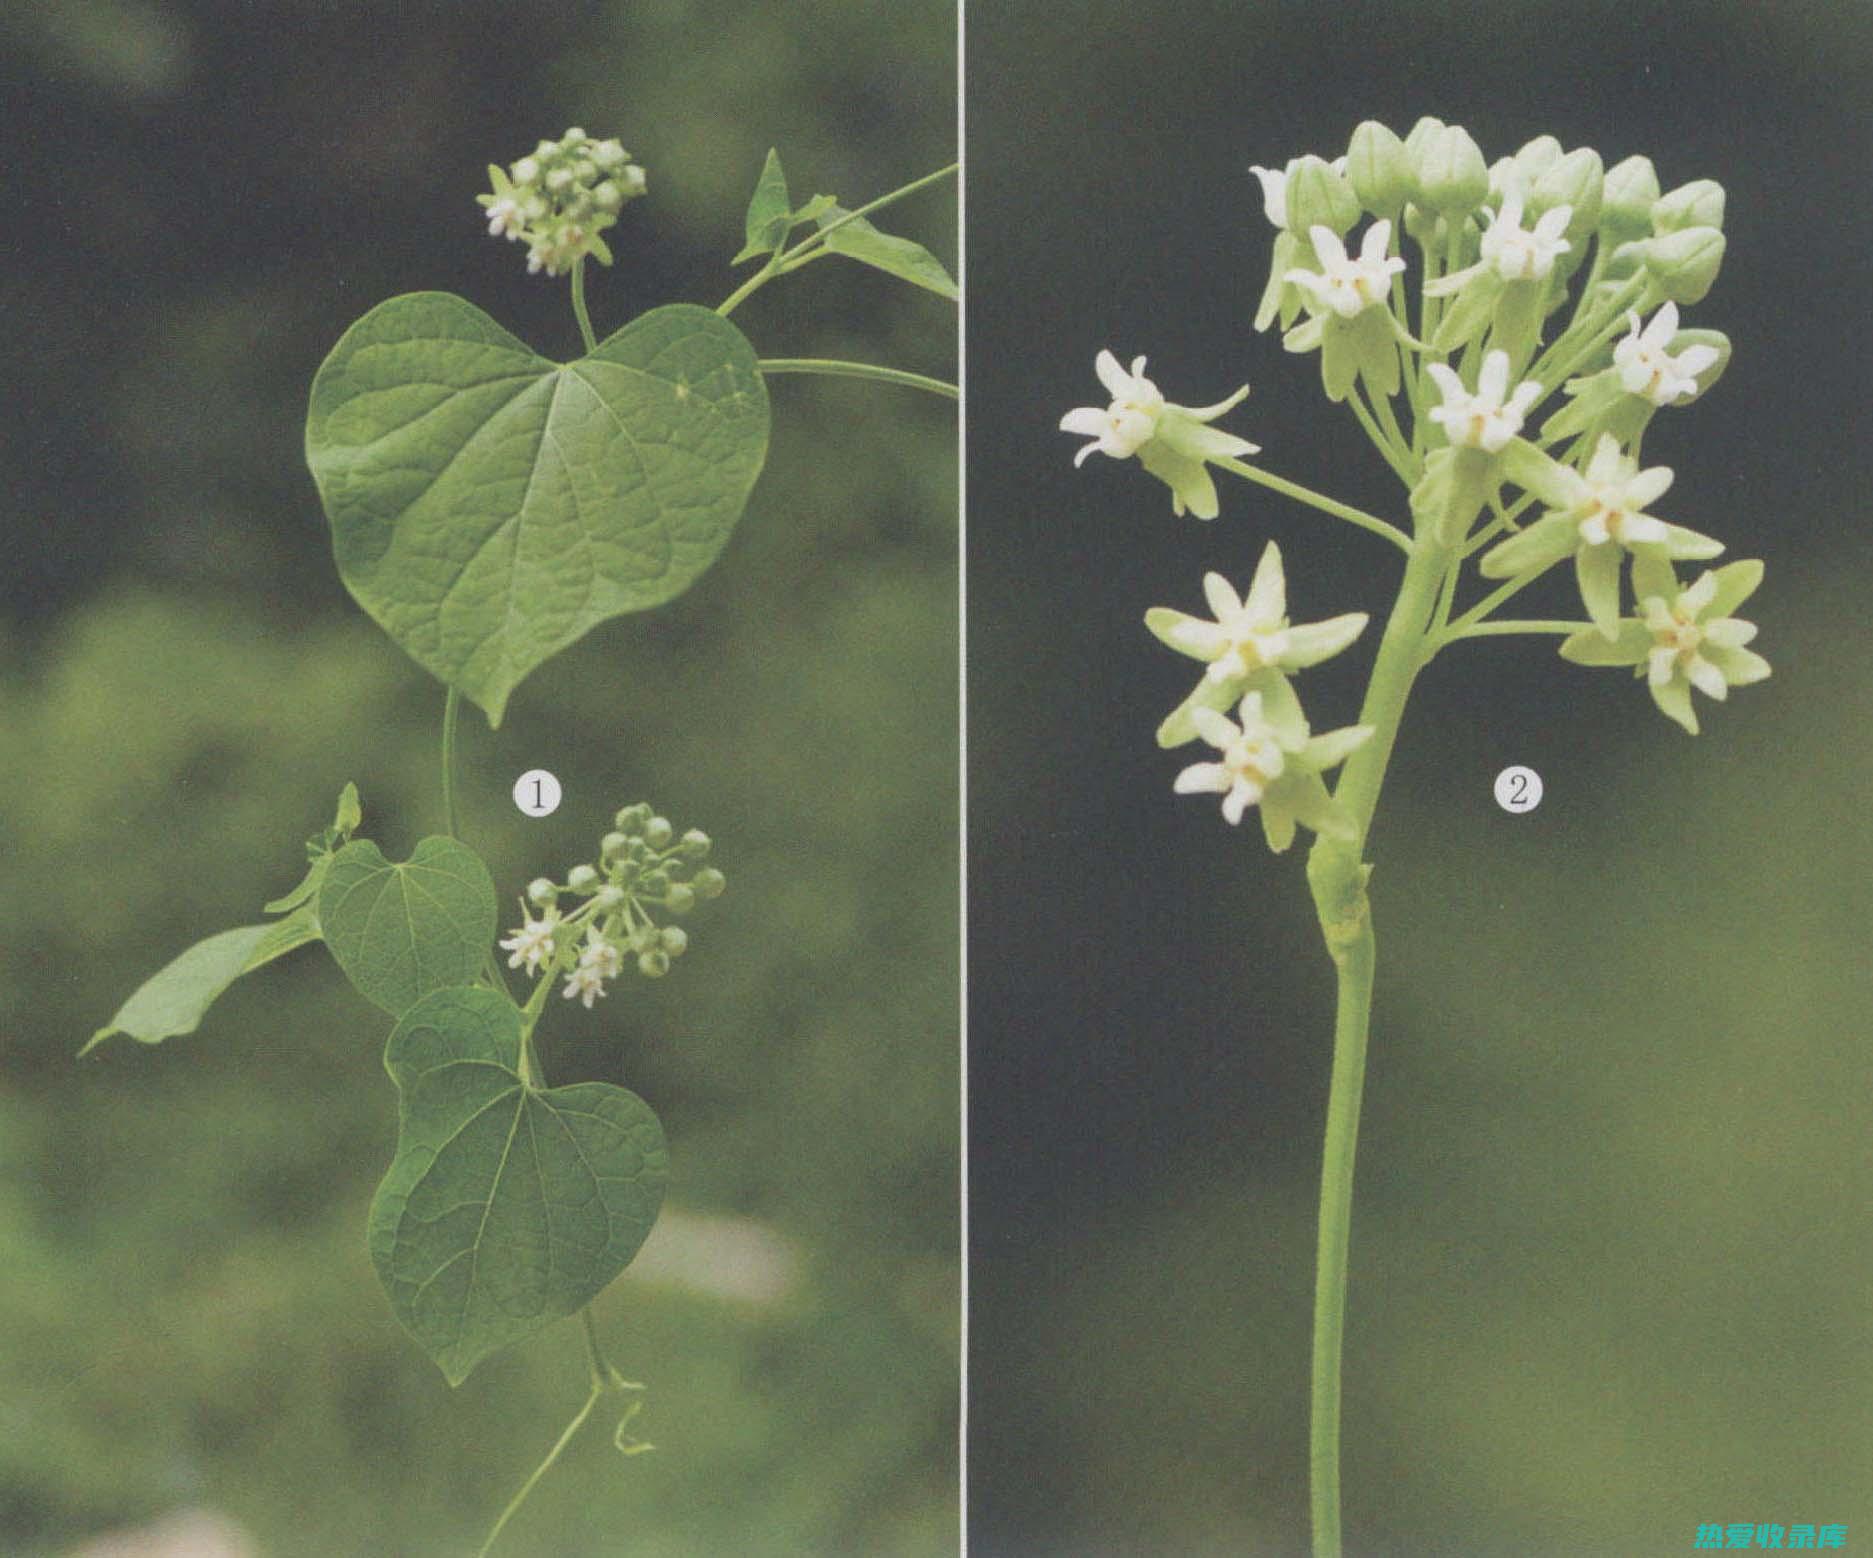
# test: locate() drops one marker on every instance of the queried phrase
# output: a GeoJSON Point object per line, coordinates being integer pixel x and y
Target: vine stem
{"type": "Point", "coordinates": [552, 1456]}
{"type": "Point", "coordinates": [451, 710]}
{"type": "Point", "coordinates": [858, 370]}
{"type": "Point", "coordinates": [1337, 875]}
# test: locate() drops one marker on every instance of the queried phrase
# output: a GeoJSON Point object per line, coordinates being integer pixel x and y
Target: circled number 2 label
{"type": "Point", "coordinates": [1518, 789]}
{"type": "Point", "coordinates": [536, 792]}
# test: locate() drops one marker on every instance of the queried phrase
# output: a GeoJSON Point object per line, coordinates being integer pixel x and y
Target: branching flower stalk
{"type": "Point", "coordinates": [1534, 280]}
{"type": "Point", "coordinates": [489, 507]}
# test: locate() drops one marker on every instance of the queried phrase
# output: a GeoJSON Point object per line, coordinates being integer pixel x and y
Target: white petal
{"type": "Point", "coordinates": [1663, 327]}
{"type": "Point", "coordinates": [1201, 779]}
{"type": "Point", "coordinates": [1240, 798]}
{"type": "Point", "coordinates": [1204, 640]}
{"type": "Point", "coordinates": [1659, 665]}
{"type": "Point", "coordinates": [1111, 375]}
{"type": "Point", "coordinates": [1445, 377]}
{"type": "Point", "coordinates": [1646, 488]}
{"type": "Point", "coordinates": [1086, 449]}
{"type": "Point", "coordinates": [1372, 247]}
{"type": "Point", "coordinates": [1707, 679]}
{"type": "Point", "coordinates": [1699, 595]}
{"type": "Point", "coordinates": [1493, 382]}
{"type": "Point", "coordinates": [1087, 421]}
{"type": "Point", "coordinates": [1225, 604]}
{"type": "Point", "coordinates": [1267, 600]}
{"type": "Point", "coordinates": [1327, 246]}
{"type": "Point", "coordinates": [1214, 727]}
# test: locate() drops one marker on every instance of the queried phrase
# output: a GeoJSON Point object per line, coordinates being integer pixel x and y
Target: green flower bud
{"type": "Point", "coordinates": [559, 180]}
{"type": "Point", "coordinates": [653, 965]}
{"type": "Point", "coordinates": [1576, 181]}
{"type": "Point", "coordinates": [675, 940]}
{"type": "Point", "coordinates": [632, 818]}
{"type": "Point", "coordinates": [526, 170]}
{"type": "Point", "coordinates": [585, 170]}
{"type": "Point", "coordinates": [613, 844]}
{"type": "Point", "coordinates": [607, 196]}
{"type": "Point", "coordinates": [710, 882]}
{"type": "Point", "coordinates": [610, 154]}
{"type": "Point", "coordinates": [694, 845]}
{"type": "Point", "coordinates": [1536, 158]}
{"type": "Point", "coordinates": [680, 899]}
{"type": "Point", "coordinates": [658, 832]}
{"type": "Point", "coordinates": [609, 896]}
{"type": "Point", "coordinates": [1631, 190]}
{"type": "Point", "coordinates": [1317, 196]}
{"type": "Point", "coordinates": [573, 138]}
{"type": "Point", "coordinates": [541, 891]}
{"type": "Point", "coordinates": [1684, 264]}
{"type": "Point", "coordinates": [1697, 204]}
{"type": "Point", "coordinates": [1448, 173]}
{"type": "Point", "coordinates": [1378, 169]}
{"type": "Point", "coordinates": [582, 879]}
{"type": "Point", "coordinates": [545, 149]}
{"type": "Point", "coordinates": [654, 884]}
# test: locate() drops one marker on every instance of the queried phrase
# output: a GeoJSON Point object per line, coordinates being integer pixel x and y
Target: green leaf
{"type": "Point", "coordinates": [401, 931]}
{"type": "Point", "coordinates": [174, 999]}
{"type": "Point", "coordinates": [507, 1206]}
{"type": "Point", "coordinates": [319, 849]}
{"type": "Point", "coordinates": [768, 211]}
{"type": "Point", "coordinates": [857, 239]}
{"type": "Point", "coordinates": [489, 507]}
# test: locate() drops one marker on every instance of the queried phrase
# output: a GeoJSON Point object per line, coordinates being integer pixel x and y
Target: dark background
{"type": "Point", "coordinates": [1610, 1249]}
{"type": "Point", "coordinates": [206, 194]}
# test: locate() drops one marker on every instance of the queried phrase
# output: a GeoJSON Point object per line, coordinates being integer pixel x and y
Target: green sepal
{"type": "Point", "coordinates": [1281, 297]}
{"type": "Point", "coordinates": [1653, 575]}
{"type": "Point", "coordinates": [1674, 702]}
{"type": "Point", "coordinates": [768, 211]}
{"type": "Point", "coordinates": [1736, 582]}
{"type": "Point", "coordinates": [1596, 570]}
{"type": "Point", "coordinates": [1540, 545]}
{"type": "Point", "coordinates": [507, 1206]}
{"type": "Point", "coordinates": [1629, 646]}
{"type": "Point", "coordinates": [1534, 470]}
{"type": "Point", "coordinates": [1340, 354]}
{"type": "Point", "coordinates": [857, 239]}
{"type": "Point", "coordinates": [1375, 340]}
{"type": "Point", "coordinates": [1469, 316]}
{"type": "Point", "coordinates": [400, 931]}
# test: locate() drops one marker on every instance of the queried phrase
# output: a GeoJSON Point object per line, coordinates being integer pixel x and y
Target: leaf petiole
{"type": "Point", "coordinates": [858, 370]}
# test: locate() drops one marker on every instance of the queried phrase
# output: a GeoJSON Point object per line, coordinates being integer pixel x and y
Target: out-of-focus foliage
{"type": "Point", "coordinates": [188, 1316]}
{"type": "Point", "coordinates": [1611, 1249]}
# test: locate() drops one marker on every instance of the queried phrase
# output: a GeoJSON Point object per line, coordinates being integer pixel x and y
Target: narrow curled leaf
{"type": "Point", "coordinates": [768, 211]}
{"type": "Point", "coordinates": [320, 849]}
{"type": "Point", "coordinates": [400, 931]}
{"type": "Point", "coordinates": [857, 239]}
{"type": "Point", "coordinates": [490, 507]}
{"type": "Point", "coordinates": [506, 1206]}
{"type": "Point", "coordinates": [174, 999]}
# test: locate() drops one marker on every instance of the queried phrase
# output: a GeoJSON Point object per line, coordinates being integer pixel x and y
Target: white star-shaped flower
{"type": "Point", "coordinates": [1484, 420]}
{"type": "Point", "coordinates": [1128, 421]}
{"type": "Point", "coordinates": [505, 218]}
{"type": "Point", "coordinates": [532, 943]}
{"type": "Point", "coordinates": [1251, 759]}
{"type": "Point", "coordinates": [1343, 285]}
{"type": "Point", "coordinates": [1252, 633]}
{"type": "Point", "coordinates": [1524, 255]}
{"type": "Point", "coordinates": [600, 954]}
{"type": "Point", "coordinates": [1647, 368]}
{"type": "Point", "coordinates": [1612, 497]}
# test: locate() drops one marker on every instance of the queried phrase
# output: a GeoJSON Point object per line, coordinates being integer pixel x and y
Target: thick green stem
{"type": "Point", "coordinates": [858, 370]}
{"type": "Point", "coordinates": [1338, 878]}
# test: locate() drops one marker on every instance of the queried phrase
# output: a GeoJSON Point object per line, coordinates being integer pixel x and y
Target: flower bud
{"type": "Point", "coordinates": [609, 897]}
{"type": "Point", "coordinates": [1536, 158]}
{"type": "Point", "coordinates": [541, 892]}
{"type": "Point", "coordinates": [680, 899]}
{"type": "Point", "coordinates": [1697, 204]}
{"type": "Point", "coordinates": [1631, 190]}
{"type": "Point", "coordinates": [654, 884]}
{"type": "Point", "coordinates": [1448, 172]}
{"type": "Point", "coordinates": [632, 818]}
{"type": "Point", "coordinates": [1684, 264]}
{"type": "Point", "coordinates": [610, 154]}
{"type": "Point", "coordinates": [709, 883]}
{"type": "Point", "coordinates": [633, 180]}
{"type": "Point", "coordinates": [585, 170]}
{"type": "Point", "coordinates": [607, 196]}
{"type": "Point", "coordinates": [1576, 181]}
{"type": "Point", "coordinates": [694, 845]}
{"type": "Point", "coordinates": [1317, 196]}
{"type": "Point", "coordinates": [1377, 169]}
{"type": "Point", "coordinates": [613, 844]}
{"type": "Point", "coordinates": [582, 879]}
{"type": "Point", "coordinates": [572, 138]}
{"type": "Point", "coordinates": [559, 180]}
{"type": "Point", "coordinates": [653, 965]}
{"type": "Point", "coordinates": [658, 832]}
{"type": "Point", "coordinates": [675, 940]}
{"type": "Point", "coordinates": [526, 170]}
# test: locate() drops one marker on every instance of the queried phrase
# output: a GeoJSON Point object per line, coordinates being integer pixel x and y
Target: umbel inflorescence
{"type": "Point", "coordinates": [561, 197]}
{"type": "Point", "coordinates": [1475, 295]}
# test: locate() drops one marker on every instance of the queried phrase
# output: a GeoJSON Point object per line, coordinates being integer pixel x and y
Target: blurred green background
{"type": "Point", "coordinates": [208, 194]}
{"type": "Point", "coordinates": [1612, 1275]}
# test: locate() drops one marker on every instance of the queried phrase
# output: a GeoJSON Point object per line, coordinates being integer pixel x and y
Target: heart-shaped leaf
{"type": "Point", "coordinates": [507, 1206]}
{"type": "Point", "coordinates": [400, 931]}
{"type": "Point", "coordinates": [489, 507]}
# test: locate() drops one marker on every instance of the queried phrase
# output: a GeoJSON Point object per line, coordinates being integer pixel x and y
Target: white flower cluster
{"type": "Point", "coordinates": [559, 199]}
{"type": "Point", "coordinates": [643, 866]}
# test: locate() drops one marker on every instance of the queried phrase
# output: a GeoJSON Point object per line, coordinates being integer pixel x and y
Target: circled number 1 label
{"type": "Point", "coordinates": [1518, 790]}
{"type": "Point", "coordinates": [536, 792]}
